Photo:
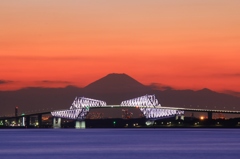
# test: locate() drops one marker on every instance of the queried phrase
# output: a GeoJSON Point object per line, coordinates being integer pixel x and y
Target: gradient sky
{"type": "Point", "coordinates": [184, 44]}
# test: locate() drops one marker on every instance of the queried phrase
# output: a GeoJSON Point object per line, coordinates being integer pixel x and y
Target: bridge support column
{"type": "Point", "coordinates": [56, 123]}
{"type": "Point", "coordinates": [149, 122]}
{"type": "Point", "coordinates": [27, 121]}
{"type": "Point", "coordinates": [209, 115]}
{"type": "Point", "coordinates": [40, 120]}
{"type": "Point", "coordinates": [176, 117]}
{"type": "Point", "coordinates": [1, 122]}
{"type": "Point", "coordinates": [80, 124]}
{"type": "Point", "coordinates": [182, 117]}
{"type": "Point", "coordinates": [23, 119]}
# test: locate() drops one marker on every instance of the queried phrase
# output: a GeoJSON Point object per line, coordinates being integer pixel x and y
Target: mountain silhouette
{"type": "Point", "coordinates": [113, 89]}
{"type": "Point", "coordinates": [116, 83]}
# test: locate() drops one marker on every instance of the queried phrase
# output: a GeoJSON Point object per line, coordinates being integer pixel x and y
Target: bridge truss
{"type": "Point", "coordinates": [153, 113]}
{"type": "Point", "coordinates": [148, 105]}
{"type": "Point", "coordinates": [147, 100]}
{"type": "Point", "coordinates": [79, 108]}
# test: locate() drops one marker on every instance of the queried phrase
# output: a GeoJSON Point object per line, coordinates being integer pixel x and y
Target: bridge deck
{"type": "Point", "coordinates": [202, 110]}
{"type": "Point", "coordinates": [158, 107]}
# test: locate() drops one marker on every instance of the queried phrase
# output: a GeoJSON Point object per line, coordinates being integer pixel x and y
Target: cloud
{"type": "Point", "coordinates": [235, 75]}
{"type": "Point", "coordinates": [53, 58]}
{"type": "Point", "coordinates": [54, 82]}
{"type": "Point", "coordinates": [5, 81]}
{"type": "Point", "coordinates": [227, 75]}
{"type": "Point", "coordinates": [158, 86]}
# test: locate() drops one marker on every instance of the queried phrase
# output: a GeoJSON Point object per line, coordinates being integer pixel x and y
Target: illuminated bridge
{"type": "Point", "coordinates": [147, 105]}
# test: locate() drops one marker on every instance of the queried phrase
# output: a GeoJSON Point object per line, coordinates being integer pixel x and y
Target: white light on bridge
{"type": "Point", "coordinates": [147, 100]}
{"type": "Point", "coordinates": [79, 108]}
{"type": "Point", "coordinates": [148, 105]}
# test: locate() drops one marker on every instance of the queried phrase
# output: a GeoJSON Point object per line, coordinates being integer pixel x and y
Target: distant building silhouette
{"type": "Point", "coordinates": [16, 111]}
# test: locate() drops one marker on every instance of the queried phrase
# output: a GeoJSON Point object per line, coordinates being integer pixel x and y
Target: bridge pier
{"type": "Point", "coordinates": [150, 122]}
{"type": "Point", "coordinates": [181, 117]}
{"type": "Point", "coordinates": [5, 122]}
{"type": "Point", "coordinates": [56, 123]}
{"type": "Point", "coordinates": [27, 121]}
{"type": "Point", "coordinates": [1, 122]}
{"type": "Point", "coordinates": [22, 121]}
{"type": "Point", "coordinates": [39, 120]}
{"type": "Point", "coordinates": [176, 117]}
{"type": "Point", "coordinates": [209, 115]}
{"type": "Point", "coordinates": [80, 124]}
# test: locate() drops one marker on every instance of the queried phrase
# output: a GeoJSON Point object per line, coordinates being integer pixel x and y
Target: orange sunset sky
{"type": "Point", "coordinates": [188, 44]}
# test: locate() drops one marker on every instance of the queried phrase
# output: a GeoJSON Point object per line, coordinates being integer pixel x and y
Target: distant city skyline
{"type": "Point", "coordinates": [181, 44]}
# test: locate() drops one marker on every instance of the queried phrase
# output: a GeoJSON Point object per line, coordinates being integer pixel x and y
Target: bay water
{"type": "Point", "coordinates": [120, 143]}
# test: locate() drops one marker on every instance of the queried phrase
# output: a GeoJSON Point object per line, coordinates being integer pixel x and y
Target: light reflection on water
{"type": "Point", "coordinates": [120, 143]}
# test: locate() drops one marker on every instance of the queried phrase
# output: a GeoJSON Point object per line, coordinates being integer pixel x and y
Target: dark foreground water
{"type": "Point", "coordinates": [120, 144]}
